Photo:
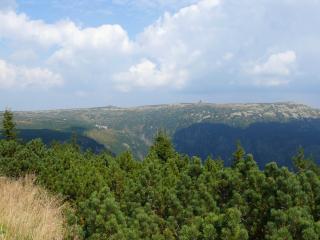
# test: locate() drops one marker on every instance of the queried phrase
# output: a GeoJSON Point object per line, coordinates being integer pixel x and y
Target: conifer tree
{"type": "Point", "coordinates": [239, 154]}
{"type": "Point", "coordinates": [8, 126]}
{"type": "Point", "coordinates": [303, 163]}
{"type": "Point", "coordinates": [162, 146]}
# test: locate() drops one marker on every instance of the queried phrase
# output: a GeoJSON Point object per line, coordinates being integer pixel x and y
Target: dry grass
{"type": "Point", "coordinates": [27, 212]}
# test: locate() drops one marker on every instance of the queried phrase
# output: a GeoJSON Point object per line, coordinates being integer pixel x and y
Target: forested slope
{"type": "Point", "coordinates": [268, 142]}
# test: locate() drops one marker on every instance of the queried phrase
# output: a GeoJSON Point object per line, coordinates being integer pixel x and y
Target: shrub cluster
{"type": "Point", "coordinates": [171, 196]}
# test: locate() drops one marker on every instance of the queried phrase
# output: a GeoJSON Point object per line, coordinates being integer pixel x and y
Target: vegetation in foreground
{"type": "Point", "coordinates": [171, 196]}
{"type": "Point", "coordinates": [29, 212]}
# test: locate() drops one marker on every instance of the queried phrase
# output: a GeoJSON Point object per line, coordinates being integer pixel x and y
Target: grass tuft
{"type": "Point", "coordinates": [27, 212]}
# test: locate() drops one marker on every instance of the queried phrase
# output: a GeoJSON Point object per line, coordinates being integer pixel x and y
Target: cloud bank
{"type": "Point", "coordinates": [201, 47]}
{"type": "Point", "coordinates": [12, 76]}
{"type": "Point", "coordinates": [276, 70]}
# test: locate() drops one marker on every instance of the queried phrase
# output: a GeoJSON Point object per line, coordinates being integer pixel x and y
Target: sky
{"type": "Point", "coordinates": [90, 53]}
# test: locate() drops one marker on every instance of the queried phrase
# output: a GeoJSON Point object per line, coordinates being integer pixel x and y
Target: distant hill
{"type": "Point", "coordinates": [121, 129]}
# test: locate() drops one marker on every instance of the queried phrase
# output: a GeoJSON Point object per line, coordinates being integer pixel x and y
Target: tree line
{"type": "Point", "coordinates": [168, 195]}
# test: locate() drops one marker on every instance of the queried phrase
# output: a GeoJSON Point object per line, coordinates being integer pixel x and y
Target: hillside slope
{"type": "Point", "coordinates": [268, 142]}
{"type": "Point", "coordinates": [120, 129]}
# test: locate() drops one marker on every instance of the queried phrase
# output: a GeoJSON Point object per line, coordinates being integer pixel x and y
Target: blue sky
{"type": "Point", "coordinates": [67, 53]}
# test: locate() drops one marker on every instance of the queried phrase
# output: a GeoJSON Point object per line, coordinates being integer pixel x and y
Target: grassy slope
{"type": "Point", "coordinates": [28, 212]}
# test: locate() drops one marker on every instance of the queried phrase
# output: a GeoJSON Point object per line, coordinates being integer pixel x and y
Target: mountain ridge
{"type": "Point", "coordinates": [133, 128]}
{"type": "Point", "coordinates": [181, 104]}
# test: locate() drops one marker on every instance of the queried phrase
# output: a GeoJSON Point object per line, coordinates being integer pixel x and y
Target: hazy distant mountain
{"type": "Point", "coordinates": [120, 129]}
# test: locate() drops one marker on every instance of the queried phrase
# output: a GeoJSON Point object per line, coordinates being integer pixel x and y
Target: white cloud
{"type": "Point", "coordinates": [7, 75]}
{"type": "Point", "coordinates": [280, 64]}
{"type": "Point", "coordinates": [275, 71]}
{"type": "Point", "coordinates": [177, 44]}
{"type": "Point", "coordinates": [202, 46]}
{"type": "Point", "coordinates": [12, 76]}
{"type": "Point", "coordinates": [147, 74]}
{"type": "Point", "coordinates": [177, 49]}
{"type": "Point", "coordinates": [65, 34]}
{"type": "Point", "coordinates": [77, 53]}
{"type": "Point", "coordinates": [171, 48]}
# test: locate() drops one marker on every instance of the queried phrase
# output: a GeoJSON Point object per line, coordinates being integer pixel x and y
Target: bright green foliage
{"type": "Point", "coordinates": [172, 197]}
{"type": "Point", "coordinates": [294, 223]}
{"type": "Point", "coordinates": [238, 154]}
{"type": "Point", "coordinates": [102, 216]}
{"type": "Point", "coordinates": [8, 126]}
{"type": "Point", "coordinates": [302, 163]}
{"type": "Point", "coordinates": [162, 146]}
